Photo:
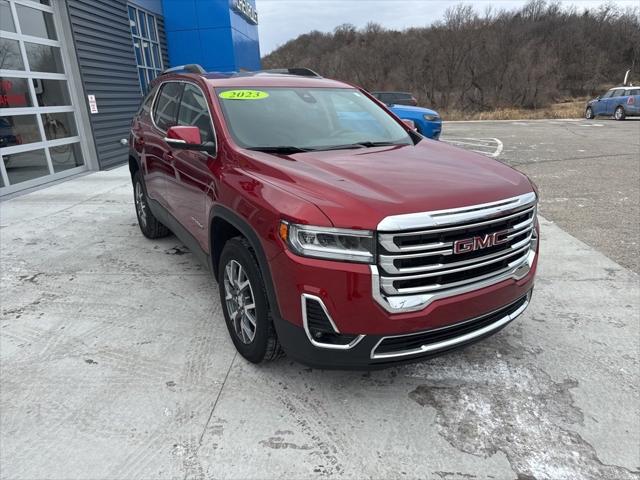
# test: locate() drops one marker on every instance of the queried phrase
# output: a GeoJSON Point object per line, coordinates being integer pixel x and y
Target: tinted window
{"type": "Point", "coordinates": [618, 93]}
{"type": "Point", "coordinates": [166, 109]}
{"type": "Point", "coordinates": [608, 94]}
{"type": "Point", "coordinates": [195, 112]}
{"type": "Point", "coordinates": [404, 96]}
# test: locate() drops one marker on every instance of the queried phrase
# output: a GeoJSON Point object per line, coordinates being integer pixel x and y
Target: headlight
{"type": "Point", "coordinates": [430, 118]}
{"type": "Point", "coordinates": [328, 243]}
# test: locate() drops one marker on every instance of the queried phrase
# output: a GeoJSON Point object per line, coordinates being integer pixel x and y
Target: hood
{"type": "Point", "coordinates": [408, 110]}
{"type": "Point", "coordinates": [358, 188]}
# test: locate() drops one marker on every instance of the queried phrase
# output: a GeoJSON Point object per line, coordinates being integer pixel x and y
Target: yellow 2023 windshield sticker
{"type": "Point", "coordinates": [243, 95]}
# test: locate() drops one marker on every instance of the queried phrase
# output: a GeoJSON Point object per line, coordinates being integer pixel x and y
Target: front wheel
{"type": "Point", "coordinates": [619, 114]}
{"type": "Point", "coordinates": [588, 114]}
{"type": "Point", "coordinates": [245, 304]}
{"type": "Point", "coordinates": [150, 226]}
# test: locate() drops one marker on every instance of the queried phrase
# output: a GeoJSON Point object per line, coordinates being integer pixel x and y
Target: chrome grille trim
{"type": "Point", "coordinates": [414, 221]}
{"type": "Point", "coordinates": [386, 262]}
{"type": "Point", "coordinates": [407, 278]}
{"type": "Point", "coordinates": [387, 240]}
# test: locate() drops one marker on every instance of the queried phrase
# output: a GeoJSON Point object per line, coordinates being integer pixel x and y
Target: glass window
{"type": "Point", "coordinates": [11, 58]}
{"type": "Point", "coordinates": [133, 21]}
{"type": "Point", "coordinates": [51, 93]}
{"type": "Point", "coordinates": [195, 112]}
{"type": "Point", "coordinates": [6, 19]}
{"type": "Point", "coordinates": [144, 34]}
{"type": "Point", "coordinates": [25, 166]}
{"type": "Point", "coordinates": [64, 157]}
{"type": "Point", "coordinates": [167, 105]}
{"type": "Point", "coordinates": [152, 28]}
{"type": "Point", "coordinates": [143, 24]}
{"type": "Point", "coordinates": [618, 93]}
{"type": "Point", "coordinates": [59, 125]}
{"type": "Point", "coordinates": [44, 58]}
{"type": "Point", "coordinates": [42, 2]}
{"type": "Point", "coordinates": [307, 118]}
{"type": "Point", "coordinates": [18, 130]}
{"type": "Point", "coordinates": [143, 79]}
{"type": "Point", "coordinates": [14, 93]}
{"type": "Point", "coordinates": [36, 22]}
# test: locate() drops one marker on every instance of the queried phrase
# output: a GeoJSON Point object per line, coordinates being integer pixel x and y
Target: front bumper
{"type": "Point", "coordinates": [347, 293]}
{"type": "Point", "coordinates": [379, 351]}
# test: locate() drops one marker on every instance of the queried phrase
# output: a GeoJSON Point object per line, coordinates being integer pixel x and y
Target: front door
{"type": "Point", "coordinates": [191, 179]}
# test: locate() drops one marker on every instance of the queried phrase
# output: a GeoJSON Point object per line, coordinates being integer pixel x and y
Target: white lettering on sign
{"type": "Point", "coordinates": [93, 105]}
{"type": "Point", "coordinates": [246, 10]}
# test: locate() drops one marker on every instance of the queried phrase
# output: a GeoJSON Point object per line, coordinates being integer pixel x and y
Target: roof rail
{"type": "Point", "coordinates": [190, 68]}
{"type": "Point", "coordinates": [298, 71]}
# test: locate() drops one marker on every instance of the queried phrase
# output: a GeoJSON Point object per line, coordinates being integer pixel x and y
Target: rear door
{"type": "Point", "coordinates": [191, 178]}
{"type": "Point", "coordinates": [159, 168]}
{"type": "Point", "coordinates": [614, 100]}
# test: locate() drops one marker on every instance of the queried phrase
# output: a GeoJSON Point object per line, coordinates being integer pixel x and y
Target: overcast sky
{"type": "Point", "coordinates": [282, 20]}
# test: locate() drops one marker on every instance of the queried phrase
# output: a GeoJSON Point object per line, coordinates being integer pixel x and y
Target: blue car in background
{"type": "Point", "coordinates": [621, 102]}
{"type": "Point", "coordinates": [427, 122]}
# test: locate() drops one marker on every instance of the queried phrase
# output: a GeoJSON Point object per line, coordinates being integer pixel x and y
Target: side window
{"type": "Point", "coordinates": [618, 93]}
{"type": "Point", "coordinates": [166, 108]}
{"type": "Point", "coordinates": [195, 112]}
{"type": "Point", "coordinates": [608, 94]}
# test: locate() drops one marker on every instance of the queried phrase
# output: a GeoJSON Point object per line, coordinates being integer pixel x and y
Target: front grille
{"type": "Point", "coordinates": [420, 342]}
{"type": "Point", "coordinates": [425, 260]}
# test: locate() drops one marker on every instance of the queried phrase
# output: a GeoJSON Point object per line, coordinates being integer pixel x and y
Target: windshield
{"type": "Point", "coordinates": [307, 119]}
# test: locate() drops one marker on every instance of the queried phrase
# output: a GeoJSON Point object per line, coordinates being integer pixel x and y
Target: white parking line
{"type": "Point", "coordinates": [494, 145]}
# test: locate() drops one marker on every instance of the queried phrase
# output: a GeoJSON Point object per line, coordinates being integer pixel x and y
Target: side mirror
{"type": "Point", "coordinates": [598, 98]}
{"type": "Point", "coordinates": [409, 123]}
{"type": "Point", "coordinates": [188, 138]}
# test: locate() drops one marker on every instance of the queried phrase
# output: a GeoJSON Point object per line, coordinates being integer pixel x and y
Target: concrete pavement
{"type": "Point", "coordinates": [115, 363]}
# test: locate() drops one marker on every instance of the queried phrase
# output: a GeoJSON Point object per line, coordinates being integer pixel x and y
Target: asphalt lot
{"type": "Point", "coordinates": [588, 172]}
{"type": "Point", "coordinates": [115, 361]}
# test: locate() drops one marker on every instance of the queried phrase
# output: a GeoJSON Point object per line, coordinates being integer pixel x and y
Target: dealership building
{"type": "Point", "coordinates": [73, 72]}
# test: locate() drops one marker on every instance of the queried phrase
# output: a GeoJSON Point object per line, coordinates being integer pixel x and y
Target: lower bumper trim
{"type": "Point", "coordinates": [504, 316]}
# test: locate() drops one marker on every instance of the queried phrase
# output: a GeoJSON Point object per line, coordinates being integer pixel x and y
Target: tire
{"type": "Point", "coordinates": [619, 113]}
{"type": "Point", "coordinates": [240, 283]}
{"type": "Point", "coordinates": [149, 225]}
{"type": "Point", "coordinates": [588, 114]}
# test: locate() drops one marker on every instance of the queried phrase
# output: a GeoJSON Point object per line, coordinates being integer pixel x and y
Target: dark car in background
{"type": "Point", "coordinates": [396, 98]}
{"type": "Point", "coordinates": [619, 102]}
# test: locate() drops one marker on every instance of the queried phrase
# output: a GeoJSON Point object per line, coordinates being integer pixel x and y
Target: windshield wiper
{"type": "Point", "coordinates": [285, 149]}
{"type": "Point", "coordinates": [379, 144]}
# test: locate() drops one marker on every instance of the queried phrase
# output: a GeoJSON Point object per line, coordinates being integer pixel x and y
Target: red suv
{"type": "Point", "coordinates": [337, 233]}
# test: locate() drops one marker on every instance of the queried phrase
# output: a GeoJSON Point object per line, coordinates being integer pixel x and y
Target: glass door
{"type": "Point", "coordinates": [39, 138]}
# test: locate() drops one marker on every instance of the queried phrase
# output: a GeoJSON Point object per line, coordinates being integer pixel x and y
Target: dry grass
{"type": "Point", "coordinates": [568, 109]}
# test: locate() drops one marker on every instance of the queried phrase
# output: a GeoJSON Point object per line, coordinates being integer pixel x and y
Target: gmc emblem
{"type": "Point", "coordinates": [478, 243]}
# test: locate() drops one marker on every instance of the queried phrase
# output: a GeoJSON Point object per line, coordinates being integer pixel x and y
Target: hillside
{"type": "Point", "coordinates": [529, 58]}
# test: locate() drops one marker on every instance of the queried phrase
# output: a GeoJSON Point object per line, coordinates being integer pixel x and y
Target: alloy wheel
{"type": "Point", "coordinates": [141, 204]}
{"type": "Point", "coordinates": [240, 302]}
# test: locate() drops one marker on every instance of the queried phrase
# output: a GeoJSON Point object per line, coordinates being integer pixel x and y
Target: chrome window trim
{"type": "Point", "coordinates": [414, 221]}
{"type": "Point", "coordinates": [451, 342]}
{"type": "Point", "coordinates": [303, 301]}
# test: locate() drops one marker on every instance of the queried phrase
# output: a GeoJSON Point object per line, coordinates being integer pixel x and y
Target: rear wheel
{"type": "Point", "coordinates": [588, 114]}
{"type": "Point", "coordinates": [149, 225]}
{"type": "Point", "coordinates": [619, 114]}
{"type": "Point", "coordinates": [245, 304]}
